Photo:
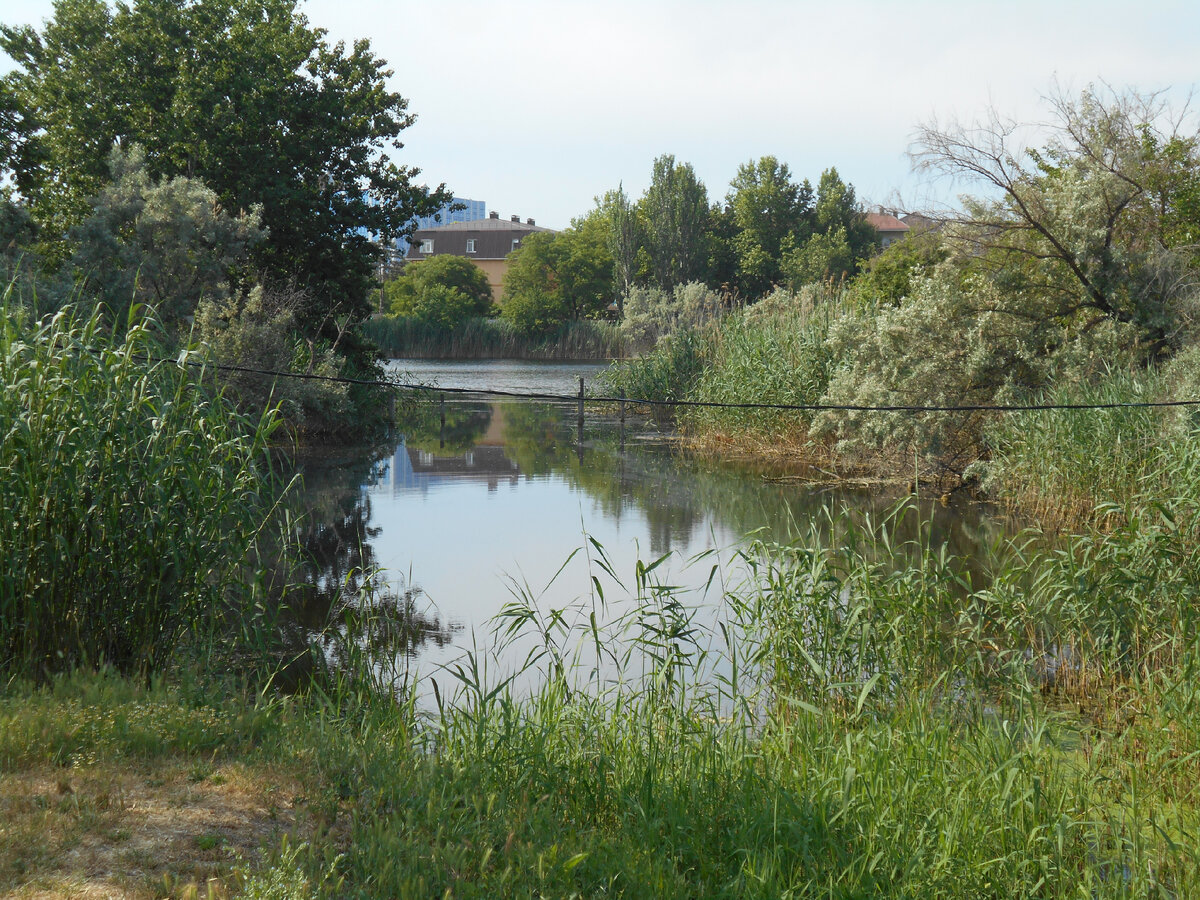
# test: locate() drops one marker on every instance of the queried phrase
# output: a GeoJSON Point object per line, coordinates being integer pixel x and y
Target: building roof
{"type": "Point", "coordinates": [494, 238]}
{"type": "Point", "coordinates": [883, 222]}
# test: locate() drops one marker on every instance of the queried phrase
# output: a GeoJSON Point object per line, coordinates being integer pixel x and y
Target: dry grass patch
{"type": "Point", "coordinates": [175, 828]}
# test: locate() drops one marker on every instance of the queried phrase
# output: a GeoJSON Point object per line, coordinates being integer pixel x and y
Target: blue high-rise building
{"type": "Point", "coordinates": [470, 211]}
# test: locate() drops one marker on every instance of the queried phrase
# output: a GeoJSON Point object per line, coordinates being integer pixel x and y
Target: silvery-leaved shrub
{"type": "Point", "coordinates": [257, 333]}
{"type": "Point", "coordinates": [651, 313]}
{"type": "Point", "coordinates": [959, 340]}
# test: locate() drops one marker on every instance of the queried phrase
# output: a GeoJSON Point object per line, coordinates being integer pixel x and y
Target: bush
{"type": "Point", "coordinates": [651, 313]}
{"type": "Point", "coordinates": [957, 341]}
{"type": "Point", "coordinates": [259, 331]}
{"type": "Point", "coordinates": [534, 312]}
{"type": "Point", "coordinates": [412, 292]}
{"type": "Point", "coordinates": [131, 496]}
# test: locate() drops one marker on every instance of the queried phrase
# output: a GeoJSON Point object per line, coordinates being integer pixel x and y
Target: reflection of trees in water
{"type": "Point", "coordinates": [336, 597]}
{"type": "Point", "coordinates": [466, 424]}
{"type": "Point", "coordinates": [677, 492]}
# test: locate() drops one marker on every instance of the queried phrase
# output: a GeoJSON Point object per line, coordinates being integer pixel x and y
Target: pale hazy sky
{"type": "Point", "coordinates": [537, 106]}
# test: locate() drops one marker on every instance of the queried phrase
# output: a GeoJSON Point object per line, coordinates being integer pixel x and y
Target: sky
{"type": "Point", "coordinates": [539, 106]}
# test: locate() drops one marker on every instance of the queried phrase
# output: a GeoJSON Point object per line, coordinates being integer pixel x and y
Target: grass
{"type": "Point", "coordinates": [132, 494]}
{"type": "Point", "coordinates": [871, 730]}
{"type": "Point", "coordinates": [863, 717]}
{"type": "Point", "coordinates": [480, 338]}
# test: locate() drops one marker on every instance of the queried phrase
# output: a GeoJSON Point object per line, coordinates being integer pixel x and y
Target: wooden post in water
{"type": "Point", "coordinates": [442, 428]}
{"type": "Point", "coordinates": [621, 414]}
{"type": "Point", "coordinates": [579, 424]}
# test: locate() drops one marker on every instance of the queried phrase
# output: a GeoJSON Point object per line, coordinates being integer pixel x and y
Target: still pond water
{"type": "Point", "coordinates": [504, 500]}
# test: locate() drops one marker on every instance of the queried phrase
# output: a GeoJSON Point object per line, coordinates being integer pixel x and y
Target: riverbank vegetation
{"type": "Point", "coordinates": [1071, 282]}
{"type": "Point", "coordinates": [861, 716]}
{"type": "Point", "coordinates": [480, 338]}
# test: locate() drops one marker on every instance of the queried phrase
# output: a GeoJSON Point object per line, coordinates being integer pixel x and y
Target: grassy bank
{"type": "Point", "coordinates": [480, 338]}
{"type": "Point", "coordinates": [882, 733]}
{"type": "Point", "coordinates": [863, 719]}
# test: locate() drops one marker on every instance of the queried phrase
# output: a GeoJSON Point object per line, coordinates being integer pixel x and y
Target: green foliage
{"type": "Point", "coordinates": [245, 96]}
{"type": "Point", "coordinates": [556, 277]}
{"type": "Point", "coordinates": [768, 207]}
{"type": "Point", "coordinates": [405, 293]}
{"type": "Point", "coordinates": [775, 351]}
{"type": "Point", "coordinates": [826, 256]}
{"type": "Point", "coordinates": [534, 311]}
{"type": "Point", "coordinates": [167, 243]}
{"type": "Point", "coordinates": [624, 235]}
{"type": "Point", "coordinates": [259, 331]}
{"type": "Point", "coordinates": [892, 275]}
{"type": "Point", "coordinates": [674, 211]}
{"type": "Point", "coordinates": [132, 498]}
{"type": "Point", "coordinates": [957, 341]}
{"type": "Point", "coordinates": [651, 314]}
{"type": "Point", "coordinates": [1081, 223]}
{"type": "Point", "coordinates": [668, 372]}
{"type": "Point", "coordinates": [493, 339]}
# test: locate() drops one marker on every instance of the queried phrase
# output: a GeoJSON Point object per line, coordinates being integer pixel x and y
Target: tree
{"type": "Point", "coordinates": [768, 207]}
{"type": "Point", "coordinates": [840, 238]}
{"type": "Point", "coordinates": [1083, 223]}
{"type": "Point", "coordinates": [826, 256]}
{"type": "Point", "coordinates": [837, 207]}
{"type": "Point", "coordinates": [242, 94]}
{"type": "Point", "coordinates": [405, 292]}
{"type": "Point", "coordinates": [167, 243]}
{"type": "Point", "coordinates": [675, 211]}
{"type": "Point", "coordinates": [571, 271]}
{"type": "Point", "coordinates": [624, 240]}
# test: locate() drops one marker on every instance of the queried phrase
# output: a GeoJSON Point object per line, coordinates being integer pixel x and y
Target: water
{"type": "Point", "coordinates": [507, 504]}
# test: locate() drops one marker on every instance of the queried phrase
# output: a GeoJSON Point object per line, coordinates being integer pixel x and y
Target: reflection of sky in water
{"type": "Point", "coordinates": [504, 495]}
{"type": "Point", "coordinates": [467, 531]}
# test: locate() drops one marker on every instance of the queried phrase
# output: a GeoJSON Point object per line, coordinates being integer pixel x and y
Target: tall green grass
{"type": "Point", "coordinates": [779, 353]}
{"type": "Point", "coordinates": [479, 338]}
{"type": "Point", "coordinates": [1059, 466]}
{"type": "Point", "coordinates": [131, 495]}
{"type": "Point", "coordinates": [845, 727]}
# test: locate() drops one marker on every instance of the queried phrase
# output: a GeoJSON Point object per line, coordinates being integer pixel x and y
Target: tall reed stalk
{"type": "Point", "coordinates": [131, 494]}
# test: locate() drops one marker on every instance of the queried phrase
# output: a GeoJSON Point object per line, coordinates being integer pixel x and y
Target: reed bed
{"type": "Point", "coordinates": [480, 338]}
{"type": "Point", "coordinates": [131, 496]}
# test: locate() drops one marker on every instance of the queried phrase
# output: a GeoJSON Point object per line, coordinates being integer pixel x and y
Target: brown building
{"type": "Point", "coordinates": [889, 227]}
{"type": "Point", "coordinates": [486, 242]}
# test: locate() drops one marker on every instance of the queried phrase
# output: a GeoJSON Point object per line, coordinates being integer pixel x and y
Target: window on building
{"type": "Point", "coordinates": [471, 245]}
{"type": "Point", "coordinates": [516, 243]}
{"type": "Point", "coordinates": [427, 245]}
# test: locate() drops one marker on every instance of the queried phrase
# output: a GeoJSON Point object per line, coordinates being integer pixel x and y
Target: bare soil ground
{"type": "Point", "coordinates": [167, 828]}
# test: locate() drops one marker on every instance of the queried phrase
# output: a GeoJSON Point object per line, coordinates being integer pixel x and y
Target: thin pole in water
{"type": "Point", "coordinates": [580, 422]}
{"type": "Point", "coordinates": [442, 429]}
{"type": "Point", "coordinates": [621, 413]}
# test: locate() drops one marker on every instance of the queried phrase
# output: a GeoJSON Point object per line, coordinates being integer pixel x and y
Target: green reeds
{"type": "Point", "coordinates": [478, 338]}
{"type": "Point", "coordinates": [131, 495]}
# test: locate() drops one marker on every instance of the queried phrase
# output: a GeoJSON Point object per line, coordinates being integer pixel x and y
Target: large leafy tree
{"type": "Point", "coordinates": [840, 240]}
{"type": "Point", "coordinates": [568, 275]}
{"type": "Point", "coordinates": [407, 291]}
{"type": "Point", "coordinates": [769, 207]}
{"type": "Point", "coordinates": [242, 94]}
{"type": "Point", "coordinates": [675, 211]}
{"type": "Point", "coordinates": [1094, 224]}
